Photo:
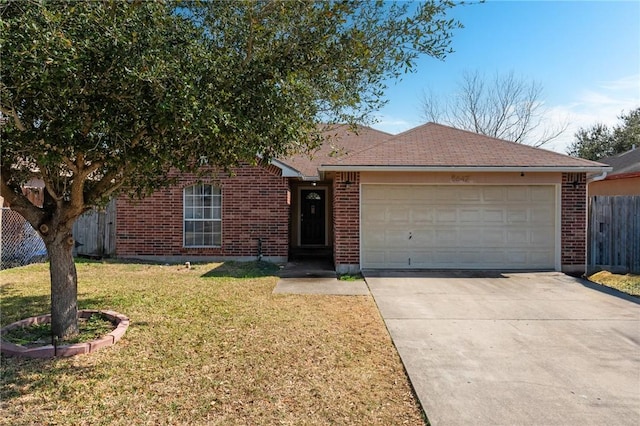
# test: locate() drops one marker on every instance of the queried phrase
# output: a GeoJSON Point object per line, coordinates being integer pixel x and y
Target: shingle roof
{"type": "Point", "coordinates": [434, 145]}
{"type": "Point", "coordinates": [627, 162]}
{"type": "Point", "coordinates": [340, 142]}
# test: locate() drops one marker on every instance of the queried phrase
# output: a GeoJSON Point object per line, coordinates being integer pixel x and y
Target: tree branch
{"type": "Point", "coordinates": [13, 114]}
{"type": "Point", "coordinates": [18, 201]}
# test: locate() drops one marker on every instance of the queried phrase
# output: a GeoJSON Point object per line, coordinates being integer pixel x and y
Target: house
{"type": "Point", "coordinates": [623, 179]}
{"type": "Point", "coordinates": [432, 197]}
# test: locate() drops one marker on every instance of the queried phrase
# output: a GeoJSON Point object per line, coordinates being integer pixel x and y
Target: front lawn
{"type": "Point", "coordinates": [207, 345]}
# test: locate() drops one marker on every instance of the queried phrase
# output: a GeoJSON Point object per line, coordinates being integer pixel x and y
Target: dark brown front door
{"type": "Point", "coordinates": [312, 216]}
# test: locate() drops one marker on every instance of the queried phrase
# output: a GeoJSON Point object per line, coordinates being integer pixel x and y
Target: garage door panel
{"type": "Point", "coordinates": [541, 257]}
{"type": "Point", "coordinates": [517, 215]}
{"type": "Point", "coordinates": [472, 236]}
{"type": "Point", "coordinates": [396, 239]}
{"type": "Point", "coordinates": [470, 215]}
{"type": "Point", "coordinates": [492, 216]}
{"type": "Point", "coordinates": [422, 216]}
{"type": "Point", "coordinates": [439, 194]}
{"type": "Point", "coordinates": [445, 238]}
{"type": "Point", "coordinates": [469, 194]}
{"type": "Point", "coordinates": [446, 215]}
{"type": "Point", "coordinates": [492, 194]}
{"type": "Point", "coordinates": [428, 226]}
{"type": "Point", "coordinates": [541, 237]}
{"type": "Point", "coordinates": [493, 237]}
{"type": "Point", "coordinates": [517, 194]}
{"type": "Point", "coordinates": [542, 194]}
{"type": "Point", "coordinates": [423, 237]}
{"type": "Point", "coordinates": [516, 257]}
{"type": "Point", "coordinates": [397, 215]}
{"type": "Point", "coordinates": [517, 237]}
{"type": "Point", "coordinates": [541, 215]}
{"type": "Point", "coordinates": [375, 214]}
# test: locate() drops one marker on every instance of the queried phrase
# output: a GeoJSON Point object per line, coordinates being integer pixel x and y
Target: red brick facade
{"type": "Point", "coordinates": [573, 222]}
{"type": "Point", "coordinates": [346, 221]}
{"type": "Point", "coordinates": [255, 205]}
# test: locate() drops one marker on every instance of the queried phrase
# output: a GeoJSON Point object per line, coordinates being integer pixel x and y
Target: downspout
{"type": "Point", "coordinates": [601, 176]}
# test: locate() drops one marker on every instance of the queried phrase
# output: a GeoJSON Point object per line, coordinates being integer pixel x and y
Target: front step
{"type": "Point", "coordinates": [304, 253]}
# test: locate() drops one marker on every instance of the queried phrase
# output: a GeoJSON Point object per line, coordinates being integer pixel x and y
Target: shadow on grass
{"type": "Point", "coordinates": [15, 306]}
{"type": "Point", "coordinates": [20, 375]}
{"type": "Point", "coordinates": [254, 269]}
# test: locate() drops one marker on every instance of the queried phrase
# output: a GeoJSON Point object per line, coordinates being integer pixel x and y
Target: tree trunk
{"type": "Point", "coordinates": [64, 285]}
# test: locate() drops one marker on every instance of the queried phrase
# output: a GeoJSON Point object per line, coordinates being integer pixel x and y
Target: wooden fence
{"type": "Point", "coordinates": [95, 232]}
{"type": "Point", "coordinates": [614, 234]}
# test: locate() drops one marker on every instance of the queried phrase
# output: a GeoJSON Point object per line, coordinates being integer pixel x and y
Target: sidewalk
{"type": "Point", "coordinates": [316, 277]}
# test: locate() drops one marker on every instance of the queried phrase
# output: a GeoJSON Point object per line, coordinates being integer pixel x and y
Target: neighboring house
{"type": "Point", "coordinates": [624, 179]}
{"type": "Point", "coordinates": [433, 197]}
{"type": "Point", "coordinates": [33, 190]}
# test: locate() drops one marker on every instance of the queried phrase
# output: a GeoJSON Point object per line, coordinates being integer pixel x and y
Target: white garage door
{"type": "Point", "coordinates": [461, 227]}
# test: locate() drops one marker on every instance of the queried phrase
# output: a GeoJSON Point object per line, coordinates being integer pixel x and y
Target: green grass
{"type": "Point", "coordinates": [40, 334]}
{"type": "Point", "coordinates": [204, 347]}
{"type": "Point", "coordinates": [628, 283]}
{"type": "Point", "coordinates": [350, 277]}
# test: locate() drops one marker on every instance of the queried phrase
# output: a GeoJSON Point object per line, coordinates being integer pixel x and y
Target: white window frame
{"type": "Point", "coordinates": [216, 192]}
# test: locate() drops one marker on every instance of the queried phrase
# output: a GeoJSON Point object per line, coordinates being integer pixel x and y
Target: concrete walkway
{"type": "Point", "coordinates": [514, 349]}
{"type": "Point", "coordinates": [316, 277]}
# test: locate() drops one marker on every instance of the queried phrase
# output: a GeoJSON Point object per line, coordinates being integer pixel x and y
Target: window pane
{"type": "Point", "coordinates": [202, 214]}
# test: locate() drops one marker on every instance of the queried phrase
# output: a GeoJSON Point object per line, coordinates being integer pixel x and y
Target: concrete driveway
{"type": "Point", "coordinates": [514, 349]}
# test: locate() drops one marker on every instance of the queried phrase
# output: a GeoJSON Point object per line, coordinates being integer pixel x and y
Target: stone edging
{"type": "Point", "coordinates": [49, 351]}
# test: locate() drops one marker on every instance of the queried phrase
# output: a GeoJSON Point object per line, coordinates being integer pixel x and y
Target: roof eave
{"type": "Point", "coordinates": [465, 169]}
{"type": "Point", "coordinates": [287, 171]}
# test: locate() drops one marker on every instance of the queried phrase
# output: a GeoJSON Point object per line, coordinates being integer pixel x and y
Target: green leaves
{"type": "Point", "coordinates": [137, 88]}
{"type": "Point", "coordinates": [599, 141]}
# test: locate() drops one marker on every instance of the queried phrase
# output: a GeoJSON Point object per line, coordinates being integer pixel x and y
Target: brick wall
{"type": "Point", "coordinates": [574, 222]}
{"type": "Point", "coordinates": [254, 205]}
{"type": "Point", "coordinates": [346, 222]}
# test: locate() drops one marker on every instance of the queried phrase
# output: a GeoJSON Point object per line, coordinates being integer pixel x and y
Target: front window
{"type": "Point", "coordinates": [202, 216]}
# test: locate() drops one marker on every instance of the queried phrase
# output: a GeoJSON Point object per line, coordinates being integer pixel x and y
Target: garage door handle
{"type": "Point", "coordinates": [410, 236]}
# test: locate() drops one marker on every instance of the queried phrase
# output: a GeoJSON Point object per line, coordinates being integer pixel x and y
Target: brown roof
{"type": "Point", "coordinates": [436, 146]}
{"type": "Point", "coordinates": [339, 143]}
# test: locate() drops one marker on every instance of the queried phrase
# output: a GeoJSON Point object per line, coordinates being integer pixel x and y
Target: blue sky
{"type": "Point", "coordinates": [585, 55]}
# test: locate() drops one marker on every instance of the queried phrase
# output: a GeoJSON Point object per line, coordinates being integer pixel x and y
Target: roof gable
{"type": "Point", "coordinates": [339, 143]}
{"type": "Point", "coordinates": [437, 146]}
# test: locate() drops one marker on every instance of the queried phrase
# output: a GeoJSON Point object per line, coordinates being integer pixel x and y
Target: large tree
{"type": "Point", "coordinates": [599, 140]}
{"type": "Point", "coordinates": [506, 107]}
{"type": "Point", "coordinates": [105, 95]}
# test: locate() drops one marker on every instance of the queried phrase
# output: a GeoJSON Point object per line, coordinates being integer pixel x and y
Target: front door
{"type": "Point", "coordinates": [312, 216]}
